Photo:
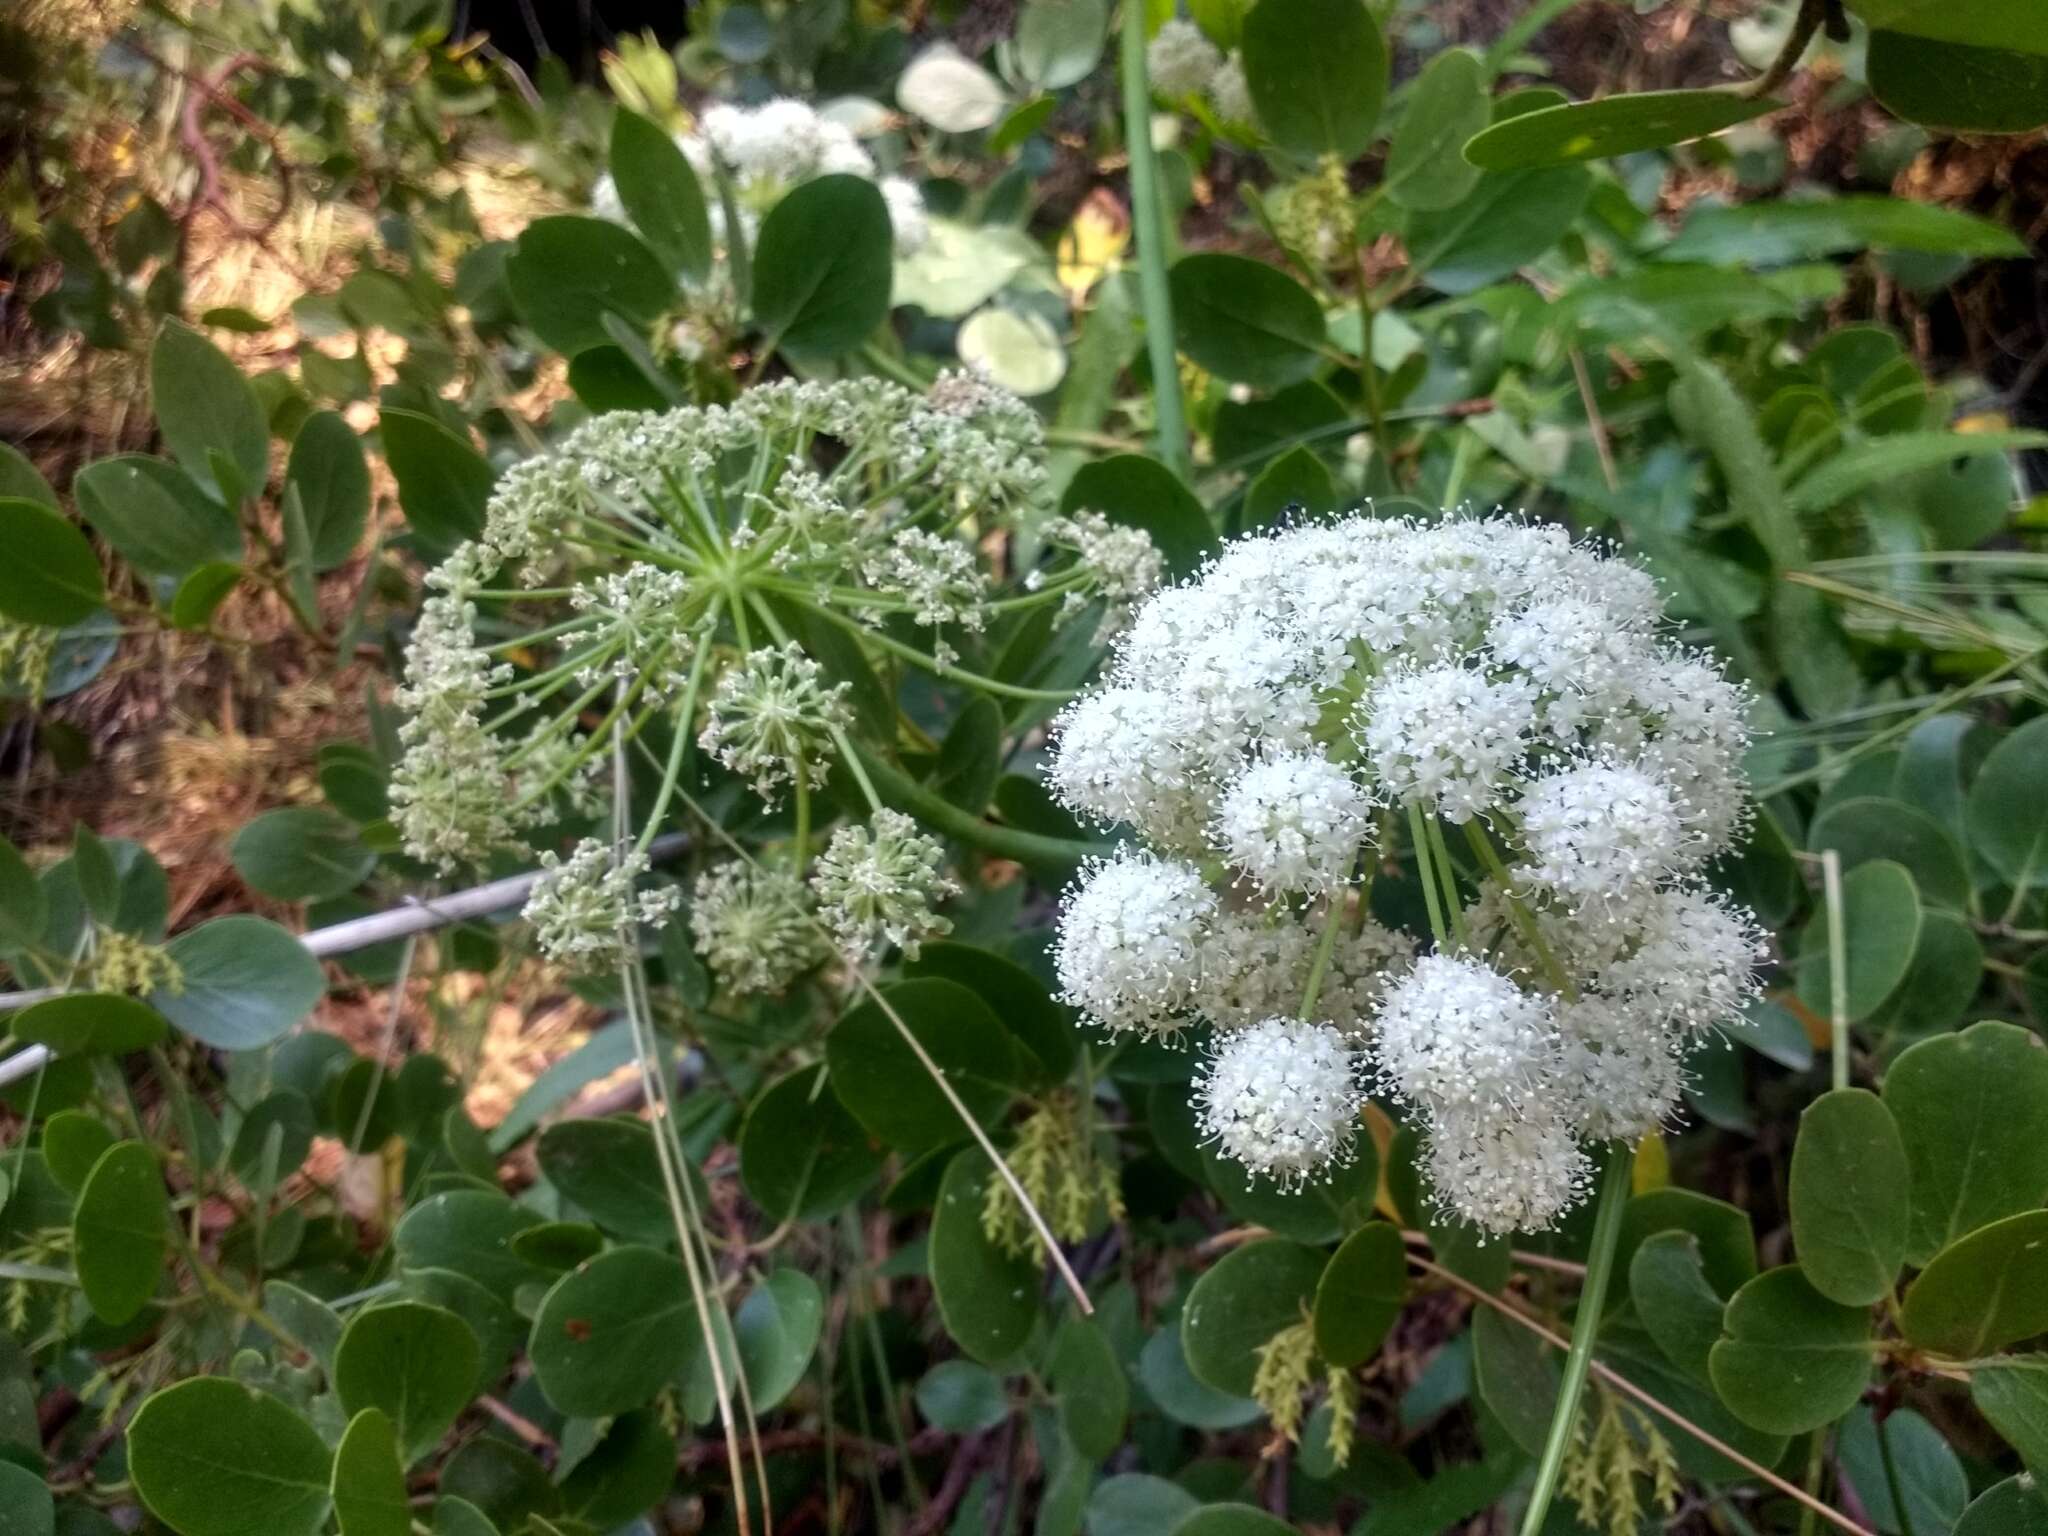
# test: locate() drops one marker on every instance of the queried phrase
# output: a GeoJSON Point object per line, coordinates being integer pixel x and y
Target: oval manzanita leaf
{"type": "Point", "coordinates": [119, 1232]}
{"type": "Point", "coordinates": [103, 1023]}
{"type": "Point", "coordinates": [987, 1297]}
{"type": "Point", "coordinates": [1250, 1295]}
{"type": "Point", "coordinates": [1613, 125]}
{"type": "Point", "coordinates": [417, 1363]}
{"type": "Point", "coordinates": [1849, 1196]}
{"type": "Point", "coordinates": [613, 1332]}
{"type": "Point", "coordinates": [1983, 1291]}
{"type": "Point", "coordinates": [1360, 1293]}
{"type": "Point", "coordinates": [369, 1483]}
{"type": "Point", "coordinates": [1791, 1359]}
{"type": "Point", "coordinates": [211, 1457]}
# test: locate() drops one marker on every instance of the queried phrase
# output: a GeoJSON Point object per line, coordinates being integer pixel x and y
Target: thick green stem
{"type": "Point", "coordinates": [1426, 869]}
{"type": "Point", "coordinates": [1578, 1361]}
{"type": "Point", "coordinates": [1839, 1043]}
{"type": "Point", "coordinates": [906, 794]}
{"type": "Point", "coordinates": [1148, 219]}
{"type": "Point", "coordinates": [1333, 919]}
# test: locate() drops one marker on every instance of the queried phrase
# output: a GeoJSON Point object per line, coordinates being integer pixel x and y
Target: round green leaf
{"type": "Point", "coordinates": [822, 266]}
{"type": "Point", "coordinates": [631, 1468]}
{"type": "Point", "coordinates": [1849, 1196]}
{"type": "Point", "coordinates": [332, 476]}
{"type": "Point", "coordinates": [1296, 482]}
{"type": "Point", "coordinates": [1137, 492]}
{"type": "Point", "coordinates": [369, 1484]}
{"type": "Point", "coordinates": [1507, 220]}
{"type": "Point", "coordinates": [1969, 1108]}
{"type": "Point", "coordinates": [611, 1171]}
{"type": "Point", "coordinates": [1945, 978]}
{"type": "Point", "coordinates": [777, 1327]}
{"type": "Point", "coordinates": [1447, 105]}
{"type": "Point", "coordinates": [119, 1232]}
{"type": "Point", "coordinates": [1248, 1296]}
{"type": "Point", "coordinates": [1868, 827]}
{"type": "Point", "coordinates": [569, 272]}
{"type": "Point", "coordinates": [501, 1332]}
{"type": "Point", "coordinates": [1089, 1388]}
{"type": "Point", "coordinates": [559, 1245]}
{"type": "Point", "coordinates": [26, 1508]}
{"type": "Point", "coordinates": [246, 982]}
{"type": "Point", "coordinates": [1020, 1000]}
{"type": "Point", "coordinates": [1232, 1519]}
{"type": "Point", "coordinates": [50, 575]}
{"type": "Point", "coordinates": [2012, 1393]}
{"type": "Point", "coordinates": [301, 853]}
{"type": "Point", "coordinates": [24, 910]}
{"type": "Point", "coordinates": [213, 1458]}
{"type": "Point", "coordinates": [489, 1486]}
{"type": "Point", "coordinates": [1791, 1360]}
{"type": "Point", "coordinates": [417, 1363]}
{"type": "Point", "coordinates": [801, 1154]}
{"type": "Point", "coordinates": [73, 1142]}
{"type": "Point", "coordinates": [209, 416]}
{"type": "Point", "coordinates": [1060, 41]}
{"type": "Point", "coordinates": [1930, 1478]}
{"type": "Point", "coordinates": [1727, 1246]}
{"type": "Point", "coordinates": [156, 518]}
{"type": "Point", "coordinates": [469, 1231]}
{"type": "Point", "coordinates": [1515, 1374]}
{"type": "Point", "coordinates": [1018, 349]}
{"type": "Point", "coordinates": [1983, 1291]}
{"type": "Point", "coordinates": [880, 1079]}
{"type": "Point", "coordinates": [1244, 320]}
{"type": "Point", "coordinates": [1163, 1368]}
{"type": "Point", "coordinates": [961, 1397]}
{"type": "Point", "coordinates": [201, 593]}
{"type": "Point", "coordinates": [2008, 806]}
{"type": "Point", "coordinates": [1317, 71]}
{"type": "Point", "coordinates": [91, 1023]}
{"type": "Point", "coordinates": [1957, 86]}
{"type": "Point", "coordinates": [1613, 125]}
{"type": "Point", "coordinates": [1679, 1310]}
{"type": "Point", "coordinates": [1881, 921]}
{"type": "Point", "coordinates": [20, 477]}
{"type": "Point", "coordinates": [1137, 1504]}
{"type": "Point", "coordinates": [1360, 1294]}
{"type": "Point", "coordinates": [987, 1298]}
{"type": "Point", "coordinates": [661, 193]}
{"type": "Point", "coordinates": [2016, 1507]}
{"type": "Point", "coordinates": [613, 1332]}
{"type": "Point", "coordinates": [443, 482]}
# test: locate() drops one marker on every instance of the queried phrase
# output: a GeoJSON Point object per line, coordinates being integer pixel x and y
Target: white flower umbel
{"type": "Point", "coordinates": [584, 910]}
{"type": "Point", "coordinates": [1282, 1097]}
{"type": "Point", "coordinates": [751, 928]}
{"type": "Point", "coordinates": [1130, 940]}
{"type": "Point", "coordinates": [1180, 60]}
{"type": "Point", "coordinates": [772, 719]}
{"type": "Point", "coordinates": [1229, 94]}
{"type": "Point", "coordinates": [1294, 823]}
{"type": "Point", "coordinates": [1489, 709]}
{"type": "Point", "coordinates": [878, 884]}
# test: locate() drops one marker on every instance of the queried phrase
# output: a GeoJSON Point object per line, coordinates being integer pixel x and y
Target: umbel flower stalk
{"type": "Point", "coordinates": [1424, 808]}
{"type": "Point", "coordinates": [724, 577]}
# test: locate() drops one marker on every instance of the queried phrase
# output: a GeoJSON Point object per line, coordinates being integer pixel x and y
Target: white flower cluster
{"type": "Point", "coordinates": [585, 911]}
{"type": "Point", "coordinates": [767, 151]}
{"type": "Point", "coordinates": [1180, 61]}
{"type": "Point", "coordinates": [878, 884]}
{"type": "Point", "coordinates": [1342, 698]}
{"type": "Point", "coordinates": [753, 927]}
{"type": "Point", "coordinates": [773, 720]}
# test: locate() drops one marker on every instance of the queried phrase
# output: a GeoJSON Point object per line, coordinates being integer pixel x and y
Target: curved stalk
{"type": "Point", "coordinates": [904, 792]}
{"type": "Point", "coordinates": [1612, 1200]}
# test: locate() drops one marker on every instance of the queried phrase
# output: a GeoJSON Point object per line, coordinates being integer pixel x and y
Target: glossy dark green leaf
{"type": "Point", "coordinates": [2008, 806]}
{"type": "Point", "coordinates": [369, 1483]}
{"type": "Point", "coordinates": [1089, 1388]}
{"type": "Point", "coordinates": [823, 266]}
{"type": "Point", "coordinates": [1849, 1196]}
{"type": "Point", "coordinates": [418, 1363]}
{"type": "Point", "coordinates": [156, 518]}
{"type": "Point", "coordinates": [91, 1023]}
{"type": "Point", "coordinates": [213, 1458]}
{"type": "Point", "coordinates": [201, 593]}
{"type": "Point", "coordinates": [1679, 1310]}
{"type": "Point", "coordinates": [611, 1170]}
{"type": "Point", "coordinates": [1294, 483]}
{"type": "Point", "coordinates": [19, 478]}
{"type": "Point", "coordinates": [962, 1397]}
{"type": "Point", "coordinates": [73, 1142]}
{"type": "Point", "coordinates": [1019, 999]}
{"type": "Point", "coordinates": [1507, 220]}
{"type": "Point", "coordinates": [1447, 105]}
{"type": "Point", "coordinates": [245, 983]}
{"type": "Point", "coordinates": [1983, 1291]}
{"type": "Point", "coordinates": [332, 476]}
{"type": "Point", "coordinates": [1246, 1297]}
{"type": "Point", "coordinates": [120, 1232]}
{"type": "Point", "coordinates": [1246, 321]}
{"type": "Point", "coordinates": [306, 1318]}
{"type": "Point", "coordinates": [51, 575]}
{"type": "Point", "coordinates": [613, 1332]}
{"type": "Point", "coordinates": [1790, 1360]}
{"type": "Point", "coordinates": [987, 1298]}
{"type": "Point", "coordinates": [661, 193]}
{"type": "Point", "coordinates": [494, 1482]}
{"type": "Point", "coordinates": [569, 271]}
{"type": "Point", "coordinates": [802, 1154]}
{"type": "Point", "coordinates": [1136, 492]}
{"type": "Point", "coordinates": [880, 1079]}
{"type": "Point", "coordinates": [1881, 926]}
{"type": "Point", "coordinates": [2016, 1507]}
{"type": "Point", "coordinates": [443, 482]}
{"type": "Point", "coordinates": [2012, 1393]}
{"type": "Point", "coordinates": [1175, 1390]}
{"type": "Point", "coordinates": [1968, 1108]}
{"type": "Point", "coordinates": [628, 1471]}
{"type": "Point", "coordinates": [1516, 1375]}
{"type": "Point", "coordinates": [559, 1245]}
{"type": "Point", "coordinates": [1957, 86]}
{"type": "Point", "coordinates": [1360, 1294]}
{"type": "Point", "coordinates": [1613, 125]}
{"type": "Point", "coordinates": [1317, 71]}
{"type": "Point", "coordinates": [1727, 1246]}
{"type": "Point", "coordinates": [1929, 1477]}
{"type": "Point", "coordinates": [301, 853]}
{"type": "Point", "coordinates": [207, 413]}
{"type": "Point", "coordinates": [777, 1328]}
